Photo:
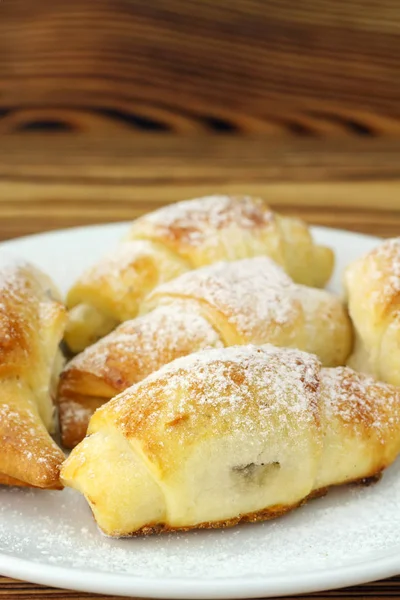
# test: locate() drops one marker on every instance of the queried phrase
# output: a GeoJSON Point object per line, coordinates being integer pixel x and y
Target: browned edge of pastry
{"type": "Point", "coordinates": [262, 515]}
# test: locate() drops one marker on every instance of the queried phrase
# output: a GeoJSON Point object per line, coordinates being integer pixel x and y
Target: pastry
{"type": "Point", "coordinates": [32, 321]}
{"type": "Point", "coordinates": [243, 433]}
{"type": "Point", "coordinates": [227, 303]}
{"type": "Point", "coordinates": [180, 237]}
{"type": "Point", "coordinates": [372, 285]}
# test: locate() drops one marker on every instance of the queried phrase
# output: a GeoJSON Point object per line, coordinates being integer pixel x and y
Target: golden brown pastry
{"type": "Point", "coordinates": [181, 237]}
{"type": "Point", "coordinates": [227, 303]}
{"type": "Point", "coordinates": [226, 435]}
{"type": "Point", "coordinates": [373, 292]}
{"type": "Point", "coordinates": [32, 321]}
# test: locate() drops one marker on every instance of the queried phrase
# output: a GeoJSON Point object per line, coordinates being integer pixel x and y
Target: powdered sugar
{"type": "Point", "coordinates": [128, 256]}
{"type": "Point", "coordinates": [122, 257]}
{"type": "Point", "coordinates": [26, 441]}
{"type": "Point", "coordinates": [10, 266]}
{"type": "Point", "coordinates": [241, 389]}
{"type": "Point", "coordinates": [384, 268]}
{"type": "Point", "coordinates": [345, 529]}
{"type": "Point", "coordinates": [359, 400]}
{"type": "Point", "coordinates": [254, 295]}
{"type": "Point", "coordinates": [137, 348]}
{"type": "Point", "coordinates": [196, 219]}
{"type": "Point", "coordinates": [56, 528]}
{"type": "Point", "coordinates": [74, 412]}
{"type": "Point", "coordinates": [29, 323]}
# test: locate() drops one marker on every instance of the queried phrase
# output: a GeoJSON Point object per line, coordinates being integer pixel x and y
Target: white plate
{"type": "Point", "coordinates": [350, 536]}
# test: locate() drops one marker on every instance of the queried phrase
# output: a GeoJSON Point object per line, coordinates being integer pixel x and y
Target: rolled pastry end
{"type": "Point", "coordinates": [74, 418]}
{"type": "Point", "coordinates": [86, 324]}
{"type": "Point", "coordinates": [116, 483]}
{"type": "Point", "coordinates": [29, 456]}
{"type": "Point", "coordinates": [324, 262]}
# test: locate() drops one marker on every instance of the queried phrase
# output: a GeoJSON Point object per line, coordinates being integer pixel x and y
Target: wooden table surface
{"type": "Point", "coordinates": [62, 181]}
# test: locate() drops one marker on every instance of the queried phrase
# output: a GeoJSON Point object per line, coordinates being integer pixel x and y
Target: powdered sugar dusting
{"type": "Point", "coordinates": [384, 269]}
{"type": "Point", "coordinates": [241, 389]}
{"type": "Point", "coordinates": [122, 257]}
{"type": "Point", "coordinates": [360, 400]}
{"type": "Point", "coordinates": [139, 347]}
{"type": "Point", "coordinates": [194, 220]}
{"type": "Point", "coordinates": [73, 413]}
{"type": "Point", "coordinates": [127, 256]}
{"type": "Point", "coordinates": [254, 295]}
{"type": "Point", "coordinates": [27, 311]}
{"type": "Point", "coordinates": [57, 528]}
{"type": "Point", "coordinates": [349, 526]}
{"type": "Point", "coordinates": [19, 426]}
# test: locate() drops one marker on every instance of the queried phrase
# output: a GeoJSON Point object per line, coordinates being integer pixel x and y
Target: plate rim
{"type": "Point", "coordinates": [197, 589]}
{"type": "Point", "coordinates": [179, 588]}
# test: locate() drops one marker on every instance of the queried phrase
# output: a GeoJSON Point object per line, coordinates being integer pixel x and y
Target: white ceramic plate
{"type": "Point", "coordinates": [351, 536]}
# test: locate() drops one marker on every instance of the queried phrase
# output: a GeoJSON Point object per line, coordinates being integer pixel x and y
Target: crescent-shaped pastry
{"type": "Point", "coordinates": [32, 321]}
{"type": "Point", "coordinates": [372, 285]}
{"type": "Point", "coordinates": [227, 303]}
{"type": "Point", "coordinates": [226, 435]}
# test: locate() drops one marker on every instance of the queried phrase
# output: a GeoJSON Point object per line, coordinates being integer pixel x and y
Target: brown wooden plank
{"type": "Point", "coordinates": [280, 67]}
{"type": "Point", "coordinates": [53, 183]}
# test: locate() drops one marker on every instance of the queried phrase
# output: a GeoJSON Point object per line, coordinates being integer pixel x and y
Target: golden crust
{"type": "Point", "coordinates": [196, 229]}
{"type": "Point", "coordinates": [133, 351]}
{"type": "Point", "coordinates": [228, 435]}
{"type": "Point", "coordinates": [118, 283]}
{"type": "Point", "coordinates": [12, 482]}
{"type": "Point", "coordinates": [27, 451]}
{"type": "Point", "coordinates": [181, 237]}
{"type": "Point", "coordinates": [74, 414]}
{"type": "Point", "coordinates": [254, 517]}
{"type": "Point", "coordinates": [31, 325]}
{"type": "Point", "coordinates": [205, 230]}
{"type": "Point", "coordinates": [238, 302]}
{"type": "Point", "coordinates": [147, 412]}
{"type": "Point", "coordinates": [373, 291]}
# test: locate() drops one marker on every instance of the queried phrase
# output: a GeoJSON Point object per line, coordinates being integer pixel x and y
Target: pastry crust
{"type": "Point", "coordinates": [32, 321]}
{"type": "Point", "coordinates": [229, 435]}
{"type": "Point", "coordinates": [372, 285]}
{"type": "Point", "coordinates": [180, 237]}
{"type": "Point", "coordinates": [228, 303]}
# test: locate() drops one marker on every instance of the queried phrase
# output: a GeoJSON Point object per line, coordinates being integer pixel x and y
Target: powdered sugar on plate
{"type": "Point", "coordinates": [56, 528]}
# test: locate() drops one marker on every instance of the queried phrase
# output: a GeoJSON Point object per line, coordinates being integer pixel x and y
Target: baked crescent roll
{"type": "Point", "coordinates": [227, 303]}
{"type": "Point", "coordinates": [180, 237]}
{"type": "Point", "coordinates": [243, 433]}
{"type": "Point", "coordinates": [32, 321]}
{"type": "Point", "coordinates": [373, 292]}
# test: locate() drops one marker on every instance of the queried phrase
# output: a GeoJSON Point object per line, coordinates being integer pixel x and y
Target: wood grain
{"type": "Point", "coordinates": [56, 182]}
{"type": "Point", "coordinates": [279, 67]}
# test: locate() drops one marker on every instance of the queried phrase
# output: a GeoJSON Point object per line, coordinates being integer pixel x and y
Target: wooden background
{"type": "Point", "coordinates": [109, 108]}
{"type": "Point", "coordinates": [315, 68]}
